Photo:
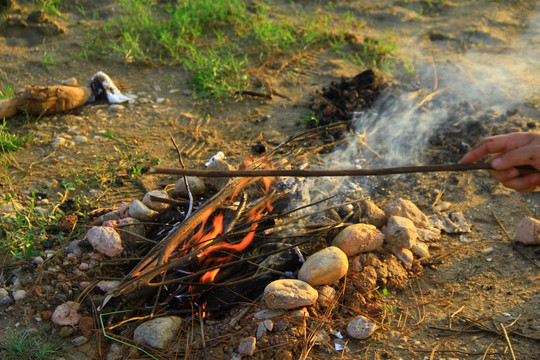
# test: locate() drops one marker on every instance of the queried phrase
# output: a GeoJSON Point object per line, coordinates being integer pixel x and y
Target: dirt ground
{"type": "Point", "coordinates": [479, 54]}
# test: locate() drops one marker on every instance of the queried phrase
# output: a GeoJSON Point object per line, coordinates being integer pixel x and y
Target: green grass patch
{"type": "Point", "coordinates": [29, 345]}
{"type": "Point", "coordinates": [11, 142]}
{"type": "Point", "coordinates": [381, 53]}
{"type": "Point", "coordinates": [218, 41]}
{"type": "Point", "coordinates": [7, 92]}
{"type": "Point", "coordinates": [23, 230]}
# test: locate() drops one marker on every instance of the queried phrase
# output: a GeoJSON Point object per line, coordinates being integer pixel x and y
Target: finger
{"type": "Point", "coordinates": [526, 155]}
{"type": "Point", "coordinates": [524, 184]}
{"type": "Point", "coordinates": [504, 175]}
{"type": "Point", "coordinates": [496, 144]}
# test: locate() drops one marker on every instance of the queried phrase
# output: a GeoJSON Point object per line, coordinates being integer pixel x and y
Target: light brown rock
{"type": "Point", "coordinates": [358, 238]}
{"type": "Point", "coordinates": [130, 229]}
{"type": "Point", "coordinates": [372, 214]}
{"type": "Point", "coordinates": [528, 231]}
{"type": "Point", "coordinates": [289, 294]}
{"type": "Point", "coordinates": [324, 267]}
{"type": "Point", "coordinates": [196, 186]}
{"type": "Point", "coordinates": [327, 295]}
{"type": "Point", "coordinates": [105, 240]}
{"type": "Point", "coordinates": [218, 183]}
{"type": "Point", "coordinates": [407, 209]}
{"type": "Point", "coordinates": [66, 314]}
{"type": "Point", "coordinates": [403, 255]}
{"type": "Point", "coordinates": [400, 232]}
{"type": "Point", "coordinates": [155, 205]}
{"type": "Point", "coordinates": [420, 249]}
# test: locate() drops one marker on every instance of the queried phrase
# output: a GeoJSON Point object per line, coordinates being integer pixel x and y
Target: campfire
{"type": "Point", "coordinates": [229, 245]}
{"type": "Point", "coordinates": [277, 238]}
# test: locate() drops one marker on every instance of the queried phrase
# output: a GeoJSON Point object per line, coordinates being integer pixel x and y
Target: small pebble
{"type": "Point", "coordinates": [158, 332]}
{"type": "Point", "coordinates": [66, 314]}
{"type": "Point", "coordinates": [156, 205]}
{"type": "Point", "coordinates": [105, 240]}
{"type": "Point", "coordinates": [78, 341]}
{"type": "Point", "coordinates": [116, 108]}
{"type": "Point", "coordinates": [361, 327]}
{"type": "Point", "coordinates": [19, 295]}
{"type": "Point", "coordinates": [247, 345]}
{"type": "Point", "coordinates": [528, 231]}
{"type": "Point", "coordinates": [5, 299]}
{"type": "Point", "coordinates": [140, 211]}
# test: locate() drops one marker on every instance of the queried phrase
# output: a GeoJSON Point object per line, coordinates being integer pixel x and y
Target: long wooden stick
{"type": "Point", "coordinates": [326, 172]}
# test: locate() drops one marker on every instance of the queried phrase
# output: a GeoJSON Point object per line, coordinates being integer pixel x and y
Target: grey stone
{"type": "Point", "coordinates": [158, 332]}
{"type": "Point", "coordinates": [116, 108]}
{"type": "Point", "coordinates": [10, 207]}
{"type": "Point", "coordinates": [73, 248]}
{"type": "Point", "coordinates": [247, 345]}
{"type": "Point", "coordinates": [5, 299]}
{"type": "Point", "coordinates": [429, 234]}
{"type": "Point", "coordinates": [361, 327]}
{"type": "Point", "coordinates": [19, 295]}
{"type": "Point", "coordinates": [453, 223]}
{"type": "Point", "coordinates": [112, 215]}
{"type": "Point", "coordinates": [155, 205]}
{"type": "Point", "coordinates": [196, 186]}
{"type": "Point", "coordinates": [107, 285]}
{"type": "Point", "coordinates": [401, 232]}
{"type": "Point", "coordinates": [268, 314]}
{"type": "Point", "coordinates": [140, 211]}
{"type": "Point", "coordinates": [78, 341]}
{"type": "Point", "coordinates": [261, 330]}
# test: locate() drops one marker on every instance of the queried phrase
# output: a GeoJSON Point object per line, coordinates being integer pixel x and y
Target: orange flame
{"type": "Point", "coordinates": [209, 276]}
{"type": "Point", "coordinates": [216, 230]}
{"type": "Point", "coordinates": [218, 253]}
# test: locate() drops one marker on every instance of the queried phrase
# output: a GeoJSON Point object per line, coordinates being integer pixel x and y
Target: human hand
{"type": "Point", "coordinates": [510, 151]}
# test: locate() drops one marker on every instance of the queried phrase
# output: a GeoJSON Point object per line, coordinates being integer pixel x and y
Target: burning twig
{"type": "Point", "coordinates": [326, 172]}
{"type": "Point", "coordinates": [186, 183]}
{"type": "Point", "coordinates": [203, 340]}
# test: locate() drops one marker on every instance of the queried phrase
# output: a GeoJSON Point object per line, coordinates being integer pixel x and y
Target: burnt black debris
{"type": "Point", "coordinates": [340, 100]}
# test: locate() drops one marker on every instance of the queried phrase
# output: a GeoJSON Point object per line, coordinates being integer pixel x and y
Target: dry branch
{"type": "Point", "coordinates": [325, 172]}
{"type": "Point", "coordinates": [45, 100]}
